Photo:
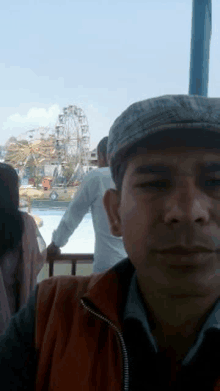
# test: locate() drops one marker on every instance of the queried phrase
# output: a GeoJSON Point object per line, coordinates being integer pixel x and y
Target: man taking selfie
{"type": "Point", "coordinates": [152, 321]}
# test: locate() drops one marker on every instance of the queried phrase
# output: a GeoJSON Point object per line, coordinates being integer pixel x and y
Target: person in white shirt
{"type": "Point", "coordinates": [109, 249]}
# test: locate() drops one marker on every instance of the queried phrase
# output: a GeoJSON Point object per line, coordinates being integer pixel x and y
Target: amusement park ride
{"type": "Point", "coordinates": [66, 144]}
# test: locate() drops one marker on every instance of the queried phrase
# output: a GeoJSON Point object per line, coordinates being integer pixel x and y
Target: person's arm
{"type": "Point", "coordinates": [18, 357]}
{"type": "Point", "coordinates": [77, 209]}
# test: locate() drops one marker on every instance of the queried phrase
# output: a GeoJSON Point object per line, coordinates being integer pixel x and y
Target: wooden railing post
{"type": "Point", "coordinates": [68, 258]}
{"type": "Point", "coordinates": [51, 268]}
{"type": "Point", "coordinates": [73, 269]}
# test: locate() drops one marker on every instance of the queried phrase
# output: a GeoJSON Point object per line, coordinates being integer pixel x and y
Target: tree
{"type": "Point", "coordinates": [68, 170]}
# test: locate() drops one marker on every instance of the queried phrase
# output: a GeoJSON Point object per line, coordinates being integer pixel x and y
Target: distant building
{"type": "Point", "coordinates": [47, 182]}
{"type": "Point", "coordinates": [93, 158]}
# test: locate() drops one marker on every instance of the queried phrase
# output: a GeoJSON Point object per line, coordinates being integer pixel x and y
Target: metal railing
{"type": "Point", "coordinates": [72, 259]}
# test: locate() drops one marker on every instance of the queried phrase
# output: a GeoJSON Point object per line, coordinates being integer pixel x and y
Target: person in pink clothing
{"type": "Point", "coordinates": [22, 249]}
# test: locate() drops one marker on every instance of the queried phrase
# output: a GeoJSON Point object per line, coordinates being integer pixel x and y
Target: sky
{"type": "Point", "coordinates": [101, 56]}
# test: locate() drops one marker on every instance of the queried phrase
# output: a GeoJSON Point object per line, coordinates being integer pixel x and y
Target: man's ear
{"type": "Point", "coordinates": [111, 203]}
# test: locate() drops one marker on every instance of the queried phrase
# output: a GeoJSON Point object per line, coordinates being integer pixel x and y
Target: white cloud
{"type": "Point", "coordinates": [35, 117]}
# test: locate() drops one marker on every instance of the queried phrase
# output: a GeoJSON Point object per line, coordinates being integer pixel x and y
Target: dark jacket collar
{"type": "Point", "coordinates": [107, 292]}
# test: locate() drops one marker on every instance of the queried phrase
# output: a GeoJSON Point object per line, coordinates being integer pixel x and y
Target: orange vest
{"type": "Point", "coordinates": [79, 334]}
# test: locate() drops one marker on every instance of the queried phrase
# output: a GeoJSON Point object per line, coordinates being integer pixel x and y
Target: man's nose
{"type": "Point", "coordinates": [187, 203]}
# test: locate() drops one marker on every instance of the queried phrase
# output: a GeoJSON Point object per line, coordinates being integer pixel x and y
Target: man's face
{"type": "Point", "coordinates": [169, 217]}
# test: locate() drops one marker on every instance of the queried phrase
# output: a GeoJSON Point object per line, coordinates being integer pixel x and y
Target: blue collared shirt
{"type": "Point", "coordinates": [134, 309]}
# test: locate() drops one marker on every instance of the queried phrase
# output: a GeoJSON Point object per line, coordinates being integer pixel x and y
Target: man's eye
{"type": "Point", "coordinates": [161, 185]}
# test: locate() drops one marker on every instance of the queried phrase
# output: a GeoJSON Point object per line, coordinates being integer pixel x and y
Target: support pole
{"type": "Point", "coordinates": [200, 47]}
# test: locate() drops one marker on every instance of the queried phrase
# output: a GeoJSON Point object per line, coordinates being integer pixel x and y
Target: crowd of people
{"type": "Point", "coordinates": [151, 320]}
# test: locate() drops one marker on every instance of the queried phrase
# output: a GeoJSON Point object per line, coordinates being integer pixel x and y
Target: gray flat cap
{"type": "Point", "coordinates": [167, 112]}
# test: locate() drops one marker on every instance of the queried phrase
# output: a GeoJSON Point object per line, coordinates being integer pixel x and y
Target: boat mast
{"type": "Point", "coordinates": [200, 47]}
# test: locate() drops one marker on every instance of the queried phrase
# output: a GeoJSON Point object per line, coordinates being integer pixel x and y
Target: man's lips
{"type": "Point", "coordinates": [185, 259]}
{"type": "Point", "coordinates": [178, 250]}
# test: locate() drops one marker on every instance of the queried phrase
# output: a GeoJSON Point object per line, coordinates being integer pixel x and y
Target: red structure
{"type": "Point", "coordinates": [46, 183]}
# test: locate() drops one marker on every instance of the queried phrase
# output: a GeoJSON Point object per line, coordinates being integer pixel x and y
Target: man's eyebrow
{"type": "Point", "coordinates": [212, 166]}
{"type": "Point", "coordinates": [152, 168]}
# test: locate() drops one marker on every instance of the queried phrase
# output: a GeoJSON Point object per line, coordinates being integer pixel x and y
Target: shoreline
{"type": "Point", "coordinates": [48, 204]}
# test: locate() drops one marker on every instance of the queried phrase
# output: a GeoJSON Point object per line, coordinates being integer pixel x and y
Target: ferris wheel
{"type": "Point", "coordinates": [72, 136]}
{"type": "Point", "coordinates": [66, 144]}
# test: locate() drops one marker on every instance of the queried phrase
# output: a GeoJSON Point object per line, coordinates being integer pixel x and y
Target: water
{"type": "Point", "coordinates": [81, 241]}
